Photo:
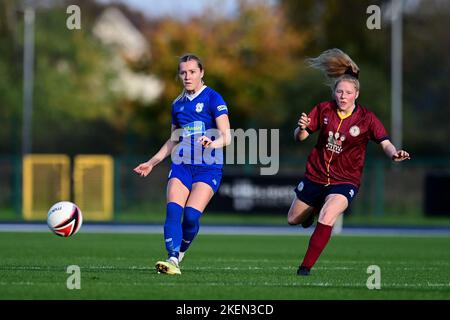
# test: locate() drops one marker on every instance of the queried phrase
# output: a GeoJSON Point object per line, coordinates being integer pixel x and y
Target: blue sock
{"type": "Point", "coordinates": [172, 229]}
{"type": "Point", "coordinates": [191, 225]}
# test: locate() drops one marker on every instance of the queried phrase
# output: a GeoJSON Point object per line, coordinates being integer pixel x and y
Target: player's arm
{"type": "Point", "coordinates": [300, 133]}
{"type": "Point", "coordinates": [223, 125]}
{"type": "Point", "coordinates": [391, 151]}
{"type": "Point", "coordinates": [167, 147]}
{"type": "Point", "coordinates": [145, 168]}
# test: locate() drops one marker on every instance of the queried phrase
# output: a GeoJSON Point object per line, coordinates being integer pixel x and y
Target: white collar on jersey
{"type": "Point", "coordinates": [195, 95]}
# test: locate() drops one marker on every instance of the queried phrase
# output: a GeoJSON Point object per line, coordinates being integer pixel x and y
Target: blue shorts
{"type": "Point", "coordinates": [314, 194]}
{"type": "Point", "coordinates": [190, 174]}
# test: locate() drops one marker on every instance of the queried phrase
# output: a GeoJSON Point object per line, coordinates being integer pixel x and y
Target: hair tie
{"type": "Point", "coordinates": [350, 72]}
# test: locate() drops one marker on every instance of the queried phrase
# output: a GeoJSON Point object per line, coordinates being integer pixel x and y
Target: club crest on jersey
{"type": "Point", "coordinates": [335, 141]}
{"type": "Point", "coordinates": [199, 107]}
{"type": "Point", "coordinates": [354, 131]}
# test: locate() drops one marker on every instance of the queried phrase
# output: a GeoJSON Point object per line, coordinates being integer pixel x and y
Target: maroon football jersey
{"type": "Point", "coordinates": [338, 157]}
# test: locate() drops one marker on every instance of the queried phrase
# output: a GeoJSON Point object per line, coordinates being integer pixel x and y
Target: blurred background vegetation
{"type": "Point", "coordinates": [254, 58]}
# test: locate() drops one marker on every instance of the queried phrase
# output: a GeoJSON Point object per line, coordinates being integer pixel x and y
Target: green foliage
{"type": "Point", "coordinates": [71, 83]}
{"type": "Point", "coordinates": [10, 79]}
{"type": "Point", "coordinates": [248, 59]}
{"type": "Point", "coordinates": [342, 24]}
{"type": "Point", "coordinates": [255, 59]}
{"type": "Point", "coordinates": [426, 78]}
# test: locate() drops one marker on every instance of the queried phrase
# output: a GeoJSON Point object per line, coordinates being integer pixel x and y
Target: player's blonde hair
{"type": "Point", "coordinates": [337, 66]}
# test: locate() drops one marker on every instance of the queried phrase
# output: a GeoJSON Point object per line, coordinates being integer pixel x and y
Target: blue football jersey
{"type": "Point", "coordinates": [195, 115]}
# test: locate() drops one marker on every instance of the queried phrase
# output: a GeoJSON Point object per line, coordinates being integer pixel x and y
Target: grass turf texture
{"type": "Point", "coordinates": [121, 266]}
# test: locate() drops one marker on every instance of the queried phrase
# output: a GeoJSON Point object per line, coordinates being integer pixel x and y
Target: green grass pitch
{"type": "Point", "coordinates": [121, 266]}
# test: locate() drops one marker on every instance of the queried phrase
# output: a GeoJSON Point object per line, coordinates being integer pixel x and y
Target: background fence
{"type": "Point", "coordinates": [108, 189]}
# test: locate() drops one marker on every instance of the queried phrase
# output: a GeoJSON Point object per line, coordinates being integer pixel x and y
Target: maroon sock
{"type": "Point", "coordinates": [317, 243]}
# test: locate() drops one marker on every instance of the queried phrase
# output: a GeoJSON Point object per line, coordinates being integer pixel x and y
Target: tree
{"type": "Point", "coordinates": [10, 78]}
{"type": "Point", "coordinates": [247, 58]}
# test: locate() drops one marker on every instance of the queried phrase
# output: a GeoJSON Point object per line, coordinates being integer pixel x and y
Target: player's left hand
{"type": "Point", "coordinates": [205, 141]}
{"type": "Point", "coordinates": [400, 155]}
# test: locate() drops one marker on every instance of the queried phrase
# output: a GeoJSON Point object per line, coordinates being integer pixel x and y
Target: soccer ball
{"type": "Point", "coordinates": [64, 218]}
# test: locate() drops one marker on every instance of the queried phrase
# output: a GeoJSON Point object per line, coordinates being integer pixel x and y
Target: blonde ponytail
{"type": "Point", "coordinates": [337, 66]}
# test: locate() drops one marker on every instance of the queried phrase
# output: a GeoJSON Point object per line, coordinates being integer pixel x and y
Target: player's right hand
{"type": "Point", "coordinates": [143, 169]}
{"type": "Point", "coordinates": [400, 155]}
{"type": "Point", "coordinates": [304, 121]}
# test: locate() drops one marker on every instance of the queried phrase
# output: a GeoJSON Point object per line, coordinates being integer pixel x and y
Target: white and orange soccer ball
{"type": "Point", "coordinates": [64, 218]}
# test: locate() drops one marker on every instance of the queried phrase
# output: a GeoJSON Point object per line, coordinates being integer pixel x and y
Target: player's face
{"type": "Point", "coordinates": [345, 95]}
{"type": "Point", "coordinates": [191, 75]}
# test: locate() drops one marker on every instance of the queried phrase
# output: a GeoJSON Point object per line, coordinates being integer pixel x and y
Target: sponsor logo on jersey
{"type": "Point", "coordinates": [196, 127]}
{"type": "Point", "coordinates": [222, 107]}
{"type": "Point", "coordinates": [335, 141]}
{"type": "Point", "coordinates": [354, 131]}
{"type": "Point", "coordinates": [199, 107]}
{"type": "Point", "coordinates": [300, 186]}
{"type": "Point", "coordinates": [352, 193]}
{"type": "Point", "coordinates": [214, 181]}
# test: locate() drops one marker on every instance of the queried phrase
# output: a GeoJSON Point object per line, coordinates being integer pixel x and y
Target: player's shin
{"type": "Point", "coordinates": [317, 243]}
{"type": "Point", "coordinates": [172, 228]}
{"type": "Point", "coordinates": [191, 225]}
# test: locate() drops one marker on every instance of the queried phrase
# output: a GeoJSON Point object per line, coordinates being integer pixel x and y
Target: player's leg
{"type": "Point", "coordinates": [200, 196]}
{"type": "Point", "coordinates": [303, 207]}
{"type": "Point", "coordinates": [205, 183]}
{"type": "Point", "coordinates": [301, 213]}
{"type": "Point", "coordinates": [177, 195]}
{"type": "Point", "coordinates": [198, 199]}
{"type": "Point", "coordinates": [335, 205]}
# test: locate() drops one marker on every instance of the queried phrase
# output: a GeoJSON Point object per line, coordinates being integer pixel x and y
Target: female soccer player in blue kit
{"type": "Point", "coordinates": [200, 129]}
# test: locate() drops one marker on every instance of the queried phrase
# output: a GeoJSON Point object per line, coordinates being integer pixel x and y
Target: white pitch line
{"type": "Point", "coordinates": [305, 284]}
{"type": "Point", "coordinates": [234, 230]}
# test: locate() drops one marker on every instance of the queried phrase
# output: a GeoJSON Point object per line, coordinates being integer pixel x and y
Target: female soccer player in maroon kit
{"type": "Point", "coordinates": [334, 167]}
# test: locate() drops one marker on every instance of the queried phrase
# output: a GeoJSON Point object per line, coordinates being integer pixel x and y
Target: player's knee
{"type": "Point", "coordinates": [174, 196]}
{"type": "Point", "coordinates": [191, 217]}
{"type": "Point", "coordinates": [292, 220]}
{"type": "Point", "coordinates": [190, 221]}
{"type": "Point", "coordinates": [327, 217]}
